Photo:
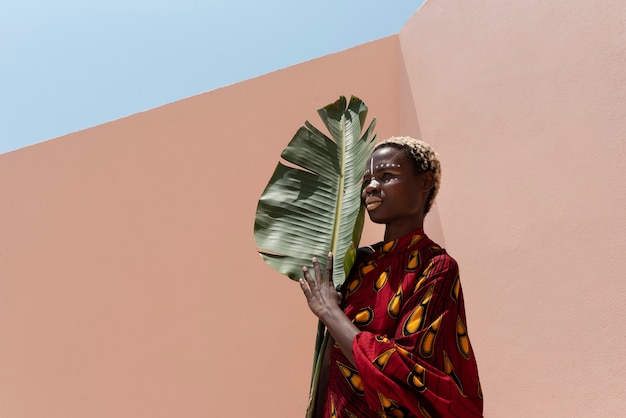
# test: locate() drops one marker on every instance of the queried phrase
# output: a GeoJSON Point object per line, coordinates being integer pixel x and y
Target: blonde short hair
{"type": "Point", "coordinates": [424, 157]}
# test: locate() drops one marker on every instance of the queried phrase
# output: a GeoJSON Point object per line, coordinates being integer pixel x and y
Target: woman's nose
{"type": "Point", "coordinates": [371, 185]}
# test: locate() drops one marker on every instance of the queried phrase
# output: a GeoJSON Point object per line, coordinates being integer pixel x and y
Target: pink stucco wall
{"type": "Point", "coordinates": [130, 285]}
{"type": "Point", "coordinates": [526, 103]}
{"type": "Point", "coordinates": [129, 281]}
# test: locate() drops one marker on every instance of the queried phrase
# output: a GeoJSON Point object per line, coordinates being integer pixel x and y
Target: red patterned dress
{"type": "Point", "coordinates": [413, 357]}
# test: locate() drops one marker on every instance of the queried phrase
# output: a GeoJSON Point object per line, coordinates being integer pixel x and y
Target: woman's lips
{"type": "Point", "coordinates": [372, 203]}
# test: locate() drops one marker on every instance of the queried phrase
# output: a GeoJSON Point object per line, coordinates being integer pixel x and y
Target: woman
{"type": "Point", "coordinates": [399, 344]}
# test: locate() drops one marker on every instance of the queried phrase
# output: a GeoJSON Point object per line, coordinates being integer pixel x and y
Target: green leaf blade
{"type": "Point", "coordinates": [312, 205]}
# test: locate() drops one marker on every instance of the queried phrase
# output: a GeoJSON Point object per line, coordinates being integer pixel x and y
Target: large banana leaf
{"type": "Point", "coordinates": [312, 204]}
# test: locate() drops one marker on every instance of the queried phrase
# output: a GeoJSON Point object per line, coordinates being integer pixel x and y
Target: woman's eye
{"type": "Point", "coordinates": [380, 178]}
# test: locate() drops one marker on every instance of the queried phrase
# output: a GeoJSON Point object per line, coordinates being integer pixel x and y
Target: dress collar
{"type": "Point", "coordinates": [384, 248]}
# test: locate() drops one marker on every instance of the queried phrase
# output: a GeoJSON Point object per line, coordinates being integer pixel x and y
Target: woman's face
{"type": "Point", "coordinates": [392, 192]}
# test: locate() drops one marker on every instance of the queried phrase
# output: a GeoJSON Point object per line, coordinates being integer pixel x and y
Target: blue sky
{"type": "Point", "coordinates": [72, 64]}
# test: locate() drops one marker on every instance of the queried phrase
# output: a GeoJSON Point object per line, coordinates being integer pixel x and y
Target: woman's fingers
{"type": "Point", "coordinates": [329, 269]}
{"type": "Point", "coordinates": [309, 283]}
{"type": "Point", "coordinates": [305, 288]}
{"type": "Point", "coordinates": [307, 276]}
{"type": "Point", "coordinates": [318, 288]}
{"type": "Point", "coordinates": [318, 271]}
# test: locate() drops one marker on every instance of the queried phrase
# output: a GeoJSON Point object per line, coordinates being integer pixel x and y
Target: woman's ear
{"type": "Point", "coordinates": [428, 181]}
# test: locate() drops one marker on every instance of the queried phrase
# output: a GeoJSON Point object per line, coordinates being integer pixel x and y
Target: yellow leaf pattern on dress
{"type": "Point", "coordinates": [423, 276]}
{"type": "Point", "coordinates": [417, 378]}
{"type": "Point", "coordinates": [416, 320]}
{"type": "Point", "coordinates": [424, 412]}
{"type": "Point", "coordinates": [381, 360]}
{"type": "Point", "coordinates": [382, 279]}
{"type": "Point", "coordinates": [416, 238]}
{"type": "Point", "coordinates": [414, 260]}
{"type": "Point", "coordinates": [353, 378]}
{"type": "Point", "coordinates": [388, 247]}
{"type": "Point", "coordinates": [393, 308]}
{"type": "Point", "coordinates": [456, 288]}
{"type": "Point", "coordinates": [462, 340]}
{"type": "Point", "coordinates": [390, 409]}
{"type": "Point", "coordinates": [367, 267]}
{"type": "Point", "coordinates": [354, 285]}
{"type": "Point", "coordinates": [364, 317]}
{"type": "Point", "coordinates": [427, 345]}
{"type": "Point", "coordinates": [449, 369]}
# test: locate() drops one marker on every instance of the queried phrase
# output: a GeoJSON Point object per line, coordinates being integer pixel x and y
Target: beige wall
{"type": "Point", "coordinates": [129, 281]}
{"type": "Point", "coordinates": [526, 103]}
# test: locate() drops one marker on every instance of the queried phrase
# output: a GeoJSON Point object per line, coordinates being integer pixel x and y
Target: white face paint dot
{"type": "Point", "coordinates": [383, 166]}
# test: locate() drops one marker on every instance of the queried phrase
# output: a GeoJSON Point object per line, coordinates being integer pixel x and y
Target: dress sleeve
{"type": "Point", "coordinates": [427, 368]}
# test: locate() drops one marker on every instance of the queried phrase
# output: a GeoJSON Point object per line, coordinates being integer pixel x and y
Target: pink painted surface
{"type": "Point", "coordinates": [526, 103]}
{"type": "Point", "coordinates": [130, 285]}
{"type": "Point", "coordinates": [129, 281]}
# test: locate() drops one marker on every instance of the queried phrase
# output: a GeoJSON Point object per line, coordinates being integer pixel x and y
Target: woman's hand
{"type": "Point", "coordinates": [319, 291]}
{"type": "Point", "coordinates": [324, 301]}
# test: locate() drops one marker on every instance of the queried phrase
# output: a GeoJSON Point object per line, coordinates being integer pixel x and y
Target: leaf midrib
{"type": "Point", "coordinates": [341, 190]}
